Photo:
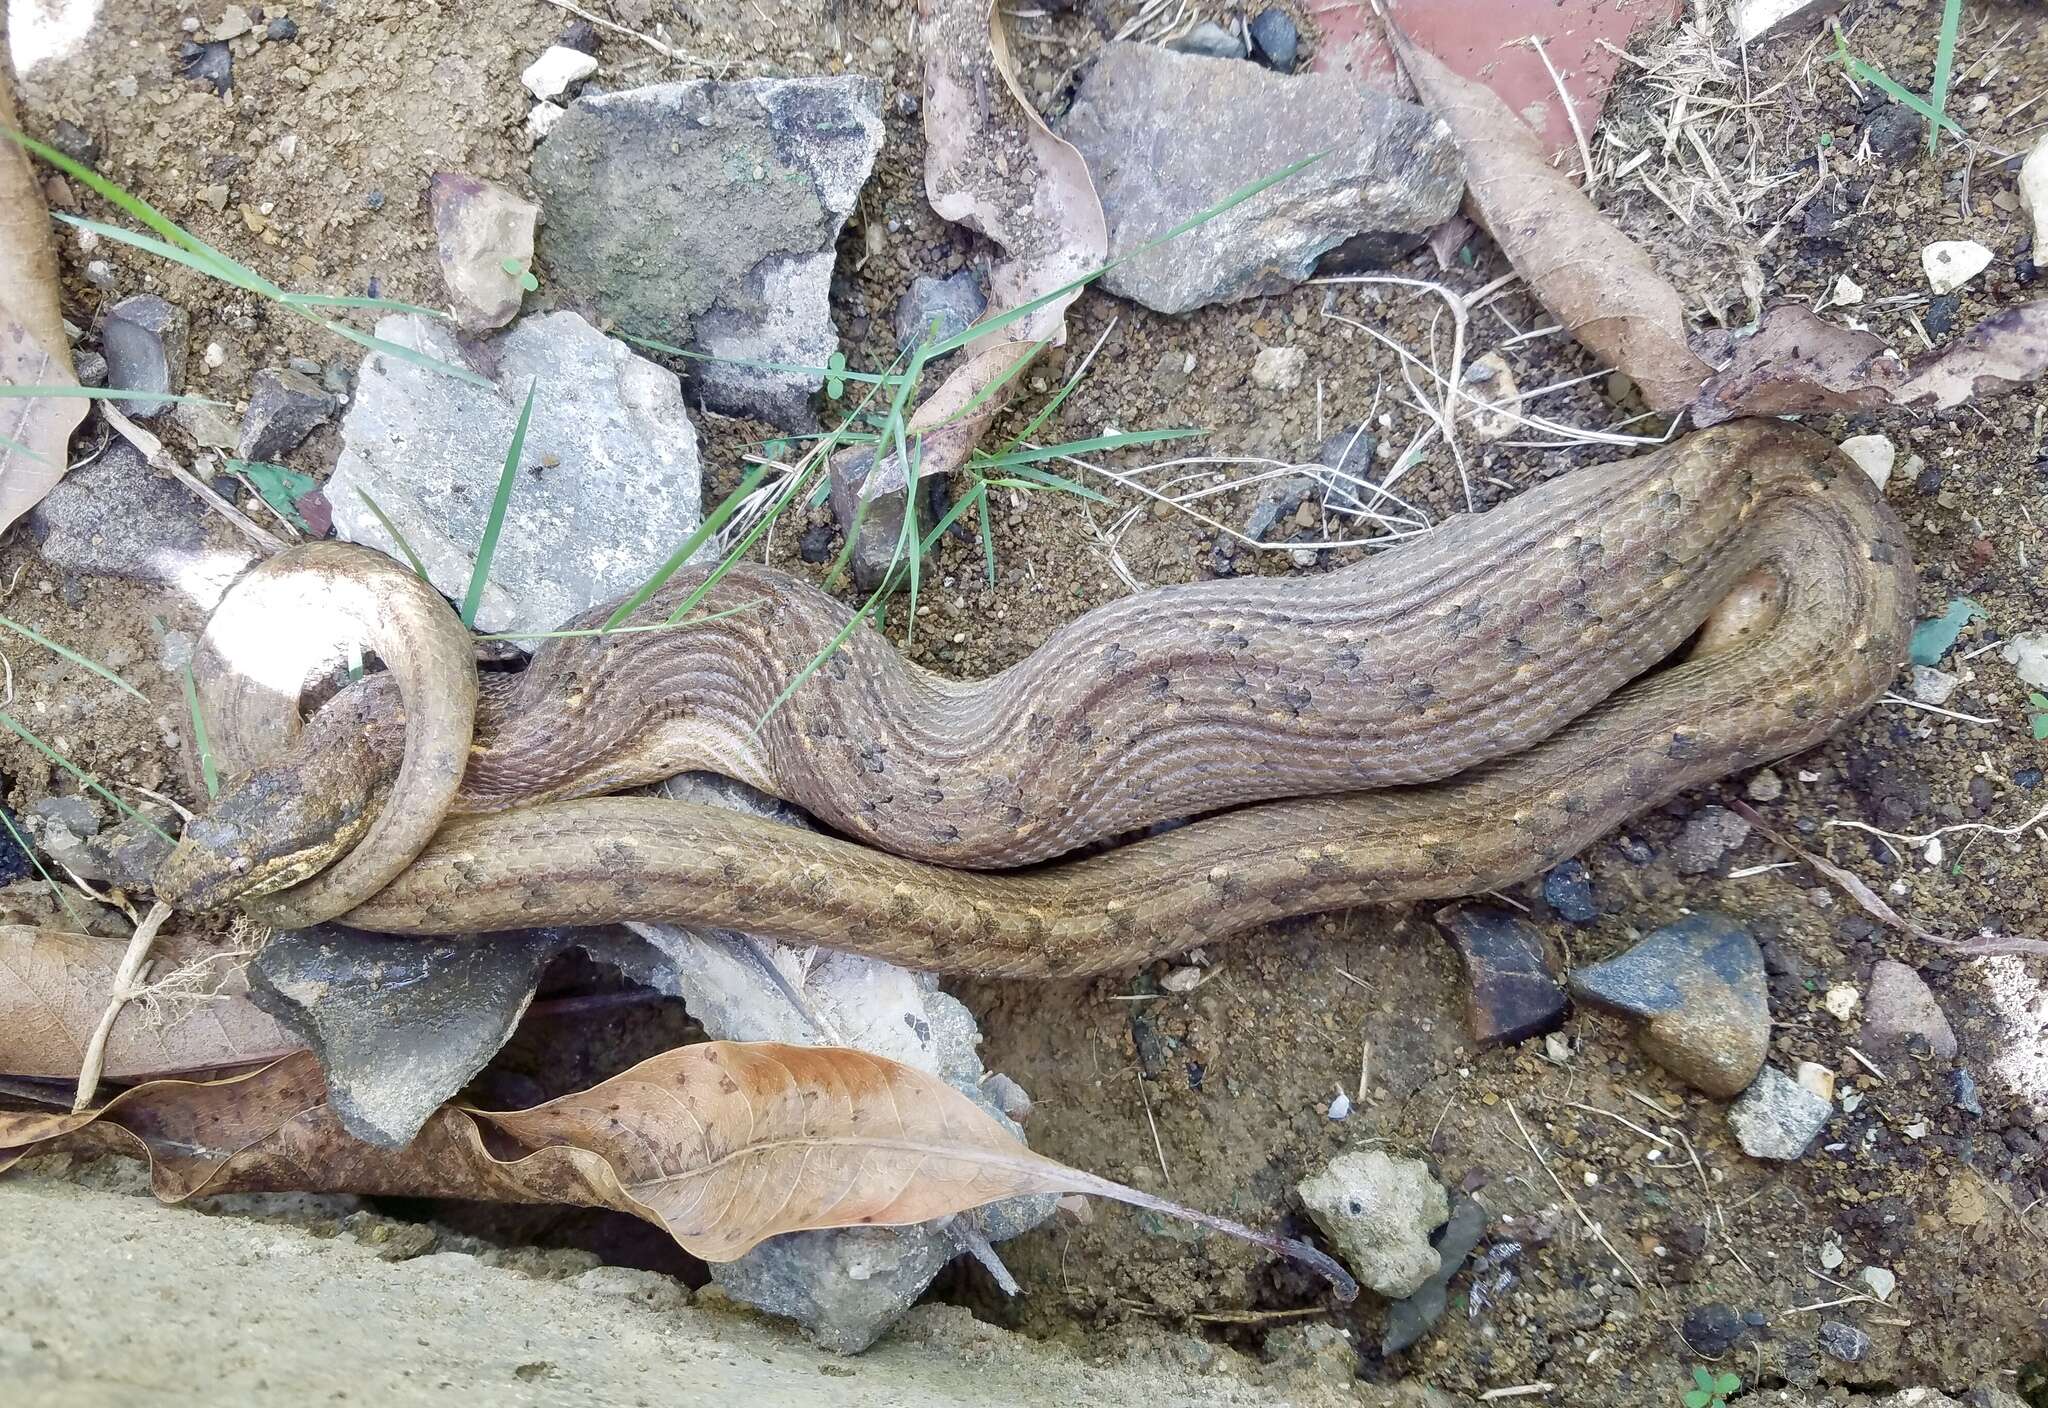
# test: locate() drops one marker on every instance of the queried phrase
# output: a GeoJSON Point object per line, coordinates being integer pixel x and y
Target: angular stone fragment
{"type": "Point", "coordinates": [1511, 994]}
{"type": "Point", "coordinates": [479, 230]}
{"type": "Point", "coordinates": [1699, 987]}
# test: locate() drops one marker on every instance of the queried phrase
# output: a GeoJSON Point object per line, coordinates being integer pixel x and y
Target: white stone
{"type": "Point", "coordinates": [1491, 383]}
{"type": "Point", "coordinates": [550, 75]}
{"type": "Point", "coordinates": [1874, 455]}
{"type": "Point", "coordinates": [1279, 368]}
{"type": "Point", "coordinates": [543, 118]}
{"type": "Point", "coordinates": [1378, 1211]}
{"type": "Point", "coordinates": [1847, 293]}
{"type": "Point", "coordinates": [1880, 1281]}
{"type": "Point", "coordinates": [1756, 18]}
{"type": "Point", "coordinates": [2034, 194]}
{"type": "Point", "coordinates": [1952, 263]}
{"type": "Point", "coordinates": [1932, 686]}
{"type": "Point", "coordinates": [2027, 653]}
{"type": "Point", "coordinates": [1841, 1001]}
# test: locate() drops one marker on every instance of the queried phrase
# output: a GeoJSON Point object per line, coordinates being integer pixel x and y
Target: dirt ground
{"type": "Point", "coordinates": [1219, 1095]}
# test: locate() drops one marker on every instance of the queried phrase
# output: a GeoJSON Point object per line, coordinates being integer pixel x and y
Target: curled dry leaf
{"type": "Point", "coordinates": [992, 165]}
{"type": "Point", "coordinates": [35, 432]}
{"type": "Point", "coordinates": [1797, 362]}
{"type": "Point", "coordinates": [721, 1145]}
{"type": "Point", "coordinates": [54, 987]}
{"type": "Point", "coordinates": [1591, 277]}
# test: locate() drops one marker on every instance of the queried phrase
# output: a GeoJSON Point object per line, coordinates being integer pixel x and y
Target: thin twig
{"type": "Point", "coordinates": [127, 983]}
{"type": "Point", "coordinates": [1571, 110]}
{"type": "Point", "coordinates": [1157, 1147]}
{"type": "Point", "coordinates": [153, 450]}
{"type": "Point", "coordinates": [1591, 1225]}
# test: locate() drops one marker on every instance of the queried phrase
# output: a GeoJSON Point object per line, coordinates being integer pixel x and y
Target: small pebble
{"type": "Point", "coordinates": [1569, 892]}
{"type": "Point", "coordinates": [1841, 1001]}
{"type": "Point", "coordinates": [1766, 786]}
{"type": "Point", "coordinates": [1275, 39]}
{"type": "Point", "coordinates": [1843, 1342]}
{"type": "Point", "coordinates": [1183, 979]}
{"type": "Point", "coordinates": [1340, 1108]}
{"type": "Point", "coordinates": [1279, 368]}
{"type": "Point", "coordinates": [1932, 686]}
{"type": "Point", "coordinates": [282, 29]}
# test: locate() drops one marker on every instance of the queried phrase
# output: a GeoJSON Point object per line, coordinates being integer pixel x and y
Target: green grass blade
{"type": "Point", "coordinates": [687, 549]}
{"type": "Point", "coordinates": [207, 770]}
{"type": "Point", "coordinates": [418, 567]}
{"type": "Point", "coordinates": [14, 446]}
{"type": "Point", "coordinates": [1025, 310]}
{"type": "Point", "coordinates": [1027, 477]}
{"type": "Point", "coordinates": [402, 352]}
{"type": "Point", "coordinates": [28, 736]}
{"type": "Point", "coordinates": [384, 305]}
{"type": "Point", "coordinates": [101, 393]}
{"type": "Point", "coordinates": [495, 524]}
{"type": "Point", "coordinates": [223, 270]}
{"type": "Point", "coordinates": [787, 368]}
{"type": "Point", "coordinates": [73, 656]}
{"type": "Point", "coordinates": [831, 648]}
{"type": "Point", "coordinates": [1880, 80]}
{"type": "Point", "coordinates": [56, 891]}
{"type": "Point", "coordinates": [988, 537]}
{"type": "Point", "coordinates": [1012, 458]}
{"type": "Point", "coordinates": [1944, 66]}
{"type": "Point", "coordinates": [907, 543]}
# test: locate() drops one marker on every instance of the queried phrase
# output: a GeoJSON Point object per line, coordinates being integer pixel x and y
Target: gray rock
{"type": "Point", "coordinates": [283, 29]}
{"type": "Point", "coordinates": [1962, 1089]}
{"type": "Point", "coordinates": [1700, 990]}
{"type": "Point", "coordinates": [399, 1025]}
{"type": "Point", "coordinates": [75, 142]}
{"type": "Point", "coordinates": [90, 368]}
{"type": "Point", "coordinates": [1378, 1211]}
{"type": "Point", "coordinates": [1844, 1342]}
{"type": "Point", "coordinates": [1568, 890]}
{"type": "Point", "coordinates": [478, 227]}
{"type": "Point", "coordinates": [1168, 135]}
{"type": "Point", "coordinates": [143, 339]}
{"type": "Point", "coordinates": [75, 813]}
{"type": "Point", "coordinates": [1209, 40]}
{"type": "Point", "coordinates": [212, 64]}
{"type": "Point", "coordinates": [1410, 1319]}
{"type": "Point", "coordinates": [1777, 1117]}
{"type": "Point", "coordinates": [1710, 834]}
{"type": "Point", "coordinates": [935, 309]}
{"type": "Point", "coordinates": [1899, 1009]}
{"type": "Point", "coordinates": [117, 517]}
{"type": "Point", "coordinates": [208, 426]}
{"type": "Point", "coordinates": [844, 1286]}
{"type": "Point", "coordinates": [1276, 505]}
{"type": "Point", "coordinates": [704, 214]}
{"type": "Point", "coordinates": [1275, 39]}
{"type": "Point", "coordinates": [284, 408]}
{"type": "Point", "coordinates": [1510, 992]}
{"type": "Point", "coordinates": [128, 853]}
{"type": "Point", "coordinates": [618, 485]}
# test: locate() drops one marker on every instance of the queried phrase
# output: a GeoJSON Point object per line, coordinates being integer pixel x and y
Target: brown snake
{"type": "Point", "coordinates": [1495, 680]}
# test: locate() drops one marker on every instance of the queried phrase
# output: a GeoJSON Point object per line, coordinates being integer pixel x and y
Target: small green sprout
{"type": "Point", "coordinates": [2038, 718]}
{"type": "Point", "coordinates": [528, 280]}
{"type": "Point", "coordinates": [1710, 1390]}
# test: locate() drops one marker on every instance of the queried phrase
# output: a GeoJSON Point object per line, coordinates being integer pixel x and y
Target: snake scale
{"type": "Point", "coordinates": [1441, 719]}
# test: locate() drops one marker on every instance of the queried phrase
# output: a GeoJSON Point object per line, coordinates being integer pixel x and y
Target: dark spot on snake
{"type": "Point", "coordinates": [946, 835]}
{"type": "Point", "coordinates": [1574, 806]}
{"type": "Point", "coordinates": [1160, 687]}
{"type": "Point", "coordinates": [1013, 816]}
{"type": "Point", "coordinates": [1120, 921]}
{"type": "Point", "coordinates": [618, 856]}
{"type": "Point", "coordinates": [1230, 638]}
{"type": "Point", "coordinates": [1586, 549]}
{"type": "Point", "coordinates": [835, 667]}
{"type": "Point", "coordinates": [1038, 729]}
{"type": "Point", "coordinates": [1664, 562]}
{"type": "Point", "coordinates": [1419, 692]}
{"type": "Point", "coordinates": [1513, 652]}
{"type": "Point", "coordinates": [1882, 551]}
{"type": "Point", "coordinates": [1239, 686]}
{"type": "Point", "coordinates": [1803, 706]}
{"type": "Point", "coordinates": [469, 872]}
{"type": "Point", "coordinates": [1035, 929]}
{"type": "Point", "coordinates": [1345, 658]}
{"type": "Point", "coordinates": [1668, 502]}
{"type": "Point", "coordinates": [1117, 658]}
{"type": "Point", "coordinates": [1683, 747]}
{"type": "Point", "coordinates": [932, 795]}
{"type": "Point", "coordinates": [1082, 735]}
{"type": "Point", "coordinates": [873, 757]}
{"type": "Point", "coordinates": [1444, 855]}
{"type": "Point", "coordinates": [1461, 619]}
{"type": "Point", "coordinates": [1294, 699]}
{"type": "Point", "coordinates": [918, 1025]}
{"type": "Point", "coordinates": [731, 871]}
{"type": "Point", "coordinates": [1822, 471]}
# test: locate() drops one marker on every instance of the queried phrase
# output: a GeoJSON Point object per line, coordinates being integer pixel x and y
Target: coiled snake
{"type": "Point", "coordinates": [1439, 720]}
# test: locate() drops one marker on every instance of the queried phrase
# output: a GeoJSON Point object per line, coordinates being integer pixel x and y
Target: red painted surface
{"type": "Point", "coordinates": [1483, 39]}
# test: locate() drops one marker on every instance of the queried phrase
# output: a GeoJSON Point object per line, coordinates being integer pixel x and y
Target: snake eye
{"type": "Point", "coordinates": [241, 865]}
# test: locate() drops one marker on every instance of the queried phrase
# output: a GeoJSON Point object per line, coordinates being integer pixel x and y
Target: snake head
{"type": "Point", "coordinates": [277, 826]}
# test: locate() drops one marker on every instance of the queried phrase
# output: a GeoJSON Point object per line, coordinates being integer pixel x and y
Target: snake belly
{"type": "Point", "coordinates": [1445, 718]}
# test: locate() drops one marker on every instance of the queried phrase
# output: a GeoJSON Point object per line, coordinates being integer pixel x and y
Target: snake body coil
{"type": "Point", "coordinates": [1490, 681]}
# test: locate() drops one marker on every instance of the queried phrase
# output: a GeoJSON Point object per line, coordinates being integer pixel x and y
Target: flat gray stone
{"type": "Point", "coordinates": [609, 487]}
{"type": "Point", "coordinates": [284, 408]}
{"type": "Point", "coordinates": [1211, 40]}
{"type": "Point", "coordinates": [117, 517]}
{"type": "Point", "coordinates": [1698, 987]}
{"type": "Point", "coordinates": [399, 1025]}
{"type": "Point", "coordinates": [704, 214]}
{"type": "Point", "coordinates": [143, 338]}
{"type": "Point", "coordinates": [933, 310]}
{"type": "Point", "coordinates": [1777, 1117]}
{"type": "Point", "coordinates": [1710, 835]}
{"type": "Point", "coordinates": [1378, 1212]}
{"type": "Point", "coordinates": [1410, 1319]}
{"type": "Point", "coordinates": [1168, 135]}
{"type": "Point", "coordinates": [1899, 1008]}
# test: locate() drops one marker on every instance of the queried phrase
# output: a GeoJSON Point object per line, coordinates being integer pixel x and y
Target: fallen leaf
{"type": "Point", "coordinates": [1796, 362]}
{"type": "Point", "coordinates": [1934, 638]}
{"type": "Point", "coordinates": [1591, 277]}
{"type": "Point", "coordinates": [992, 165]}
{"type": "Point", "coordinates": [55, 985]}
{"type": "Point", "coordinates": [722, 1145]}
{"type": "Point", "coordinates": [35, 432]}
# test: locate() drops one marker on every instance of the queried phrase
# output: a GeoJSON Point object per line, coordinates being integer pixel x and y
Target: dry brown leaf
{"type": "Point", "coordinates": [1797, 361]}
{"type": "Point", "coordinates": [35, 433]}
{"type": "Point", "coordinates": [1591, 277]}
{"type": "Point", "coordinates": [992, 165]}
{"type": "Point", "coordinates": [54, 986]}
{"type": "Point", "coordinates": [721, 1144]}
